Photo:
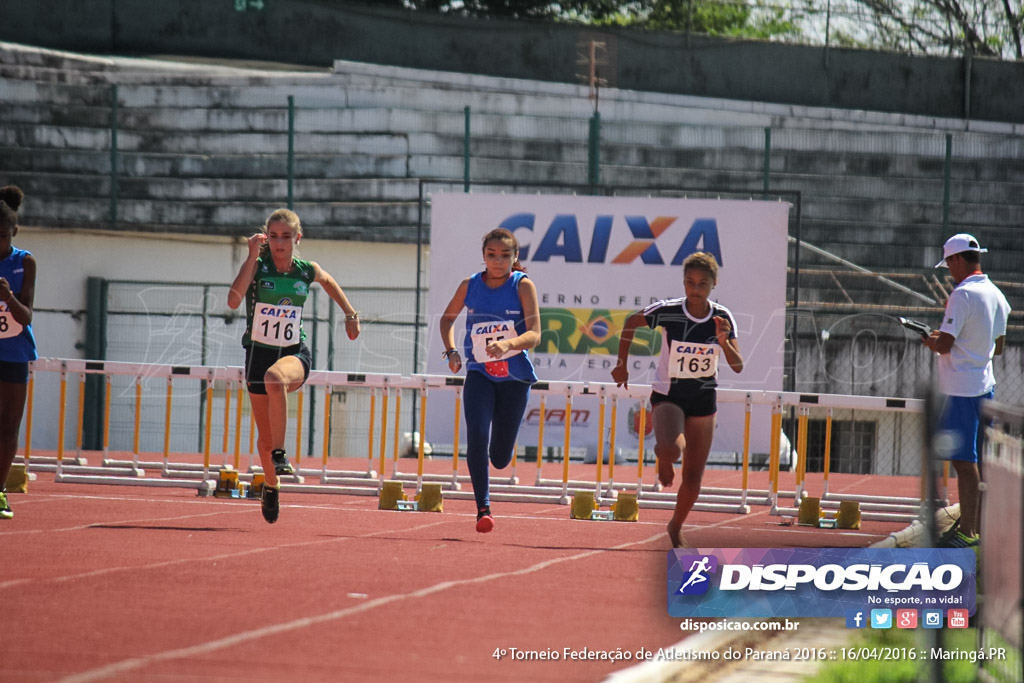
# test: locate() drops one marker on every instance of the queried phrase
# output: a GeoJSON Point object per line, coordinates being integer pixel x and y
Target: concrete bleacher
{"type": "Point", "coordinates": [203, 148]}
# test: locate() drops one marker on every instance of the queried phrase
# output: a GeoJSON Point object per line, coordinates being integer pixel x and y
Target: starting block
{"type": "Point", "coordinates": [583, 505]}
{"type": "Point", "coordinates": [849, 515]}
{"type": "Point", "coordinates": [17, 479]}
{"type": "Point", "coordinates": [429, 499]}
{"type": "Point", "coordinates": [625, 508]}
{"type": "Point", "coordinates": [810, 512]}
{"type": "Point", "coordinates": [256, 486]}
{"type": "Point", "coordinates": [391, 494]}
{"type": "Point", "coordinates": [227, 485]}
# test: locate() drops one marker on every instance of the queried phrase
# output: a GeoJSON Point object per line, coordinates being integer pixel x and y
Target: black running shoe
{"type": "Point", "coordinates": [281, 464]}
{"type": "Point", "coordinates": [270, 503]}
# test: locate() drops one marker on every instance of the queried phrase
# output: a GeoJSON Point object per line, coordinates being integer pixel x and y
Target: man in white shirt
{"type": "Point", "coordinates": [972, 333]}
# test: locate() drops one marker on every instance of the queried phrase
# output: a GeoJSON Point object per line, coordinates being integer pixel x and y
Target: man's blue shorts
{"type": "Point", "coordinates": [961, 416]}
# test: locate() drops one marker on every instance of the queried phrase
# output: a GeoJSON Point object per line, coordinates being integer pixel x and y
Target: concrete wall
{"type": "Point", "coordinates": [315, 33]}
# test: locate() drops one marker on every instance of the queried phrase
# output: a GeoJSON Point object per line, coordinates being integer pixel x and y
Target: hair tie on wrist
{"type": "Point", "coordinates": [447, 354]}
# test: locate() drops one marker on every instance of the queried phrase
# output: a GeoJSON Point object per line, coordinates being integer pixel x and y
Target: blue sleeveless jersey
{"type": "Point", "coordinates": [21, 347]}
{"type": "Point", "coordinates": [495, 314]}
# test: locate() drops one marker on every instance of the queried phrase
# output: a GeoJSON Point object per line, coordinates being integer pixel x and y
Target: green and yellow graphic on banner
{"type": "Point", "coordinates": [591, 330]}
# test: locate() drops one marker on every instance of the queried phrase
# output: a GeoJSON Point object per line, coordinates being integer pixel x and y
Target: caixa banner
{"type": "Point", "coordinates": [817, 582]}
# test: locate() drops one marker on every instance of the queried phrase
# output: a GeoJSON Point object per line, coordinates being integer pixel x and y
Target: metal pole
{"type": "Point", "coordinates": [291, 151]}
{"type": "Point", "coordinates": [594, 167]}
{"type": "Point", "coordinates": [419, 280]}
{"type": "Point", "coordinates": [766, 170]}
{"type": "Point", "coordinates": [113, 156]}
{"type": "Point", "coordinates": [465, 153]}
{"type": "Point", "coordinates": [946, 170]}
{"type": "Point", "coordinates": [312, 395]}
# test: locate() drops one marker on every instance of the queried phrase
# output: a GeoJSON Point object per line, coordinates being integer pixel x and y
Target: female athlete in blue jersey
{"type": "Point", "coordinates": [17, 345]}
{"type": "Point", "coordinates": [502, 324]}
{"type": "Point", "coordinates": [695, 333]}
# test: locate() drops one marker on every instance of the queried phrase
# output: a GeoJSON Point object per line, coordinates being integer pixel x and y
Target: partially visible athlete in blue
{"type": "Point", "coordinates": [502, 324]}
{"type": "Point", "coordinates": [695, 333]}
{"type": "Point", "coordinates": [17, 345]}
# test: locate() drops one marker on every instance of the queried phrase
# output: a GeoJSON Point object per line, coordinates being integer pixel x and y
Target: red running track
{"type": "Point", "coordinates": [142, 584]}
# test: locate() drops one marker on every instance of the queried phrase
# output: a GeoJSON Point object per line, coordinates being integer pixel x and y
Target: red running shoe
{"type": "Point", "coordinates": [484, 521]}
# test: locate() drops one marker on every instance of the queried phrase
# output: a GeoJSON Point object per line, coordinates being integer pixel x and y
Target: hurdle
{"type": "Point", "coordinates": [386, 405]}
{"type": "Point", "coordinates": [874, 508]}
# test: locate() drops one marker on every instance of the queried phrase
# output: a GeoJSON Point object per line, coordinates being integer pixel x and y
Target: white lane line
{"type": "Point", "coordinates": [210, 558]}
{"type": "Point", "coordinates": [117, 522]}
{"type": "Point", "coordinates": [255, 634]}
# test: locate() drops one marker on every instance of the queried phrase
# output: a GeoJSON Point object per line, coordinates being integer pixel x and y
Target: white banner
{"type": "Point", "coordinates": [595, 260]}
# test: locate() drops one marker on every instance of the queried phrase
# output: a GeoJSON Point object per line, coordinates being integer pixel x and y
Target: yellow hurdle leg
{"type": "Point", "coordinates": [746, 448]}
{"type": "Point", "coordinates": [398, 433]}
{"type": "Point", "coordinates": [328, 392]}
{"type": "Point", "coordinates": [80, 418]}
{"type": "Point", "coordinates": [298, 429]}
{"type": "Point", "coordinates": [601, 401]}
{"type": "Point", "coordinates": [238, 427]}
{"type": "Point", "coordinates": [28, 417]}
{"type": "Point", "coordinates": [420, 453]}
{"type": "Point", "coordinates": [565, 444]}
{"type": "Point", "coordinates": [611, 442]}
{"type": "Point", "coordinates": [828, 446]}
{"type": "Point", "coordinates": [383, 433]}
{"type": "Point", "coordinates": [62, 413]}
{"type": "Point", "coordinates": [455, 444]}
{"type": "Point", "coordinates": [640, 448]}
{"type": "Point", "coordinates": [540, 436]}
{"type": "Point", "coordinates": [137, 427]}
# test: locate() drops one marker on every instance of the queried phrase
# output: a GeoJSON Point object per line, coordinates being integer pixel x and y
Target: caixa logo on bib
{"type": "Point", "coordinates": [817, 582]}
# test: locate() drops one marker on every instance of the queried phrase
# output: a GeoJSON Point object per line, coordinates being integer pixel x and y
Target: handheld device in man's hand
{"type": "Point", "coordinates": [916, 326]}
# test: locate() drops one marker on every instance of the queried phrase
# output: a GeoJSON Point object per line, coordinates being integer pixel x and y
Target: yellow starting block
{"type": "Point", "coordinates": [17, 479]}
{"type": "Point", "coordinates": [625, 508]}
{"type": "Point", "coordinates": [390, 496]}
{"type": "Point", "coordinates": [849, 515]}
{"type": "Point", "coordinates": [430, 499]}
{"type": "Point", "coordinates": [256, 486]}
{"type": "Point", "coordinates": [227, 484]}
{"type": "Point", "coordinates": [583, 505]}
{"type": "Point", "coordinates": [810, 512]}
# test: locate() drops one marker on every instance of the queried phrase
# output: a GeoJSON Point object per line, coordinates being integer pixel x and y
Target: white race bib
{"type": "Point", "coordinates": [483, 334]}
{"type": "Point", "coordinates": [688, 360]}
{"type": "Point", "coordinates": [276, 325]}
{"type": "Point", "coordinates": [9, 327]}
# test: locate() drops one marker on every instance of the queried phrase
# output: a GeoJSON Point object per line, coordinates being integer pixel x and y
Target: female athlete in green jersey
{"type": "Point", "coordinates": [274, 284]}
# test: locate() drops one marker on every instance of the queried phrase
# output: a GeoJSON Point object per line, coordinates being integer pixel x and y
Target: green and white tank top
{"type": "Point", "coordinates": [273, 304]}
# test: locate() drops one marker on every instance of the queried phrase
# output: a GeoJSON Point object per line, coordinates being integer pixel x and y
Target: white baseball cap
{"type": "Point", "coordinates": [957, 244]}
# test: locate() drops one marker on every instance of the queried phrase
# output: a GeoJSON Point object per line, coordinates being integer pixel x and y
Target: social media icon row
{"type": "Point", "coordinates": [906, 618]}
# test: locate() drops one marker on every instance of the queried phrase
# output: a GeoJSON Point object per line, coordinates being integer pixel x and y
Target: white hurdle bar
{"type": "Point", "coordinates": [370, 481]}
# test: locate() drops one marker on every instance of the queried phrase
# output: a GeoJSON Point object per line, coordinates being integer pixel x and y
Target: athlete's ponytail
{"type": "Point", "coordinates": [10, 202]}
